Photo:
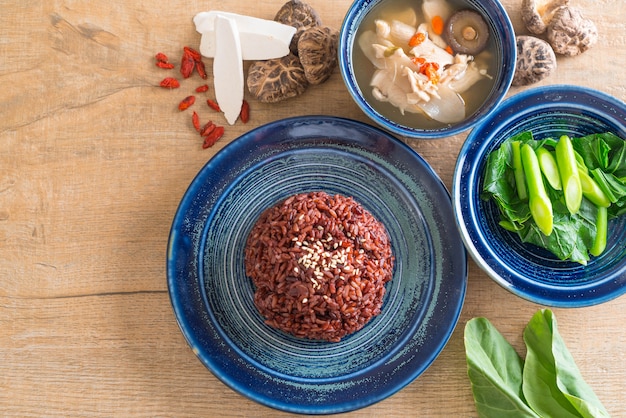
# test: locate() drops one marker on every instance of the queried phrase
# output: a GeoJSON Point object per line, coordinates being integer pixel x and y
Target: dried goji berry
{"type": "Point", "coordinates": [429, 69]}
{"type": "Point", "coordinates": [163, 64]}
{"type": "Point", "coordinates": [195, 55]}
{"type": "Point", "coordinates": [201, 70]}
{"type": "Point", "coordinates": [161, 57]}
{"type": "Point", "coordinates": [213, 105]}
{"type": "Point", "coordinates": [186, 102]}
{"type": "Point", "coordinates": [195, 120]}
{"type": "Point", "coordinates": [187, 64]}
{"type": "Point", "coordinates": [244, 115]}
{"type": "Point", "coordinates": [417, 39]}
{"type": "Point", "coordinates": [202, 88]}
{"type": "Point", "coordinates": [207, 128]}
{"type": "Point", "coordinates": [418, 60]}
{"type": "Point", "coordinates": [213, 137]}
{"type": "Point", "coordinates": [170, 82]}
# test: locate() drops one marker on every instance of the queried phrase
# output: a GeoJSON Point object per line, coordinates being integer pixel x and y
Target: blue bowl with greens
{"type": "Point", "coordinates": [558, 269]}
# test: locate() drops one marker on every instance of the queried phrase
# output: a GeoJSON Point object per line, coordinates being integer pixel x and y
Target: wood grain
{"type": "Point", "coordinates": [94, 159]}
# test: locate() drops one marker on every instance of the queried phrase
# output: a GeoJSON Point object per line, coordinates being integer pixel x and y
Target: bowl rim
{"type": "Point", "coordinates": [454, 297]}
{"type": "Point", "coordinates": [551, 96]}
{"type": "Point", "coordinates": [356, 14]}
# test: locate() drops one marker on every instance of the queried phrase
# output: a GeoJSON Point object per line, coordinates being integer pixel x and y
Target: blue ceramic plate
{"type": "Point", "coordinates": [524, 269]}
{"type": "Point", "coordinates": [213, 299]}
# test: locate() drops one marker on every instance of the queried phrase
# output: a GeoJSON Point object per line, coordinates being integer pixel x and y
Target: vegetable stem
{"type": "Point", "coordinates": [518, 171]}
{"type": "Point", "coordinates": [592, 191]}
{"type": "Point", "coordinates": [538, 201]}
{"type": "Point", "coordinates": [599, 242]}
{"type": "Point", "coordinates": [550, 170]}
{"type": "Point", "coordinates": [568, 169]}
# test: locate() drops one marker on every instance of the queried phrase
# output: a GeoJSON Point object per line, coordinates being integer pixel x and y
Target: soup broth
{"type": "Point", "coordinates": [364, 69]}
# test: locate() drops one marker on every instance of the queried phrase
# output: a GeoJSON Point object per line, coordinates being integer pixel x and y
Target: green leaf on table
{"type": "Point", "coordinates": [495, 371]}
{"type": "Point", "coordinates": [552, 384]}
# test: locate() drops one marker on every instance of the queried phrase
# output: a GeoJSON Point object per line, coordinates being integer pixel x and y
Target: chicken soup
{"type": "Point", "coordinates": [426, 64]}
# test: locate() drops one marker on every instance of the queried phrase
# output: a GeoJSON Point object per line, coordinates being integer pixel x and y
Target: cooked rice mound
{"type": "Point", "coordinates": [319, 264]}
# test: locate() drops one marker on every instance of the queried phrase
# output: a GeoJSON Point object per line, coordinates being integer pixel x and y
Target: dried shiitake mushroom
{"type": "Point", "coordinates": [535, 60]}
{"type": "Point", "coordinates": [301, 16]}
{"type": "Point", "coordinates": [312, 60]}
{"type": "Point", "coordinates": [317, 50]}
{"type": "Point", "coordinates": [537, 14]}
{"type": "Point", "coordinates": [570, 33]}
{"type": "Point", "coordinates": [276, 79]}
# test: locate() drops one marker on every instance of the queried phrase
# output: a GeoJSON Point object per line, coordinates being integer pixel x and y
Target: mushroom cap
{"type": "Point", "coordinates": [535, 60]}
{"type": "Point", "coordinates": [570, 33]}
{"type": "Point", "coordinates": [317, 50]}
{"type": "Point", "coordinates": [277, 79]}
{"type": "Point", "coordinates": [537, 14]}
{"type": "Point", "coordinates": [466, 32]}
{"type": "Point", "coordinates": [301, 16]}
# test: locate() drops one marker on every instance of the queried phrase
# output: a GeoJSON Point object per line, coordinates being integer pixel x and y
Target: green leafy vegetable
{"type": "Point", "coordinates": [599, 242]}
{"type": "Point", "coordinates": [568, 170]}
{"type": "Point", "coordinates": [538, 200]}
{"type": "Point", "coordinates": [550, 170]}
{"type": "Point", "coordinates": [605, 156]}
{"type": "Point", "coordinates": [592, 191]}
{"type": "Point", "coordinates": [518, 171]}
{"type": "Point", "coordinates": [547, 384]}
{"type": "Point", "coordinates": [495, 370]}
{"type": "Point", "coordinates": [595, 168]}
{"type": "Point", "coordinates": [552, 382]}
{"type": "Point", "coordinates": [614, 188]}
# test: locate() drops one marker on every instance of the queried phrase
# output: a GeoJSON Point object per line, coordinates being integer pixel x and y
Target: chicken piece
{"type": "Point", "coordinates": [430, 51]}
{"type": "Point", "coordinates": [472, 75]}
{"type": "Point", "coordinates": [371, 44]}
{"type": "Point", "coordinates": [386, 87]}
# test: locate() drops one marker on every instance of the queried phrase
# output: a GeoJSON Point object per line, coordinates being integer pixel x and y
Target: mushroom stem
{"type": "Point", "coordinates": [469, 33]}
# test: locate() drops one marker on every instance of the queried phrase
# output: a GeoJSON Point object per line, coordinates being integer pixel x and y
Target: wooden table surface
{"type": "Point", "coordinates": [94, 158]}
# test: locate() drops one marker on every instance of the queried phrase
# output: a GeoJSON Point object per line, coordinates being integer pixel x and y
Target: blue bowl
{"type": "Point", "coordinates": [213, 299]}
{"type": "Point", "coordinates": [524, 269]}
{"type": "Point", "coordinates": [501, 31]}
